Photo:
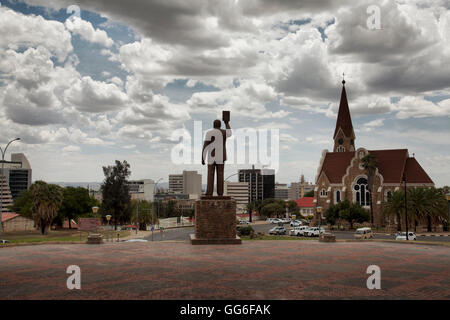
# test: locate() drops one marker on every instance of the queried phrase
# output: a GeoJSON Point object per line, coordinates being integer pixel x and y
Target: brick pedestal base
{"type": "Point", "coordinates": [327, 237]}
{"type": "Point", "coordinates": [215, 221]}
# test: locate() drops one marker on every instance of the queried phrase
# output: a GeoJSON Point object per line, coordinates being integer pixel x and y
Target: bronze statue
{"type": "Point", "coordinates": [214, 148]}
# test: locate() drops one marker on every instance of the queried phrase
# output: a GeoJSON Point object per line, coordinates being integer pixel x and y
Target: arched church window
{"type": "Point", "coordinates": [340, 149]}
{"type": "Point", "coordinates": [338, 196]}
{"type": "Point", "coordinates": [362, 194]}
{"type": "Point", "coordinates": [323, 193]}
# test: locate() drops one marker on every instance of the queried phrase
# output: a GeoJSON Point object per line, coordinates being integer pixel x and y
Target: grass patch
{"type": "Point", "coordinates": [269, 237]}
{"type": "Point", "coordinates": [55, 236]}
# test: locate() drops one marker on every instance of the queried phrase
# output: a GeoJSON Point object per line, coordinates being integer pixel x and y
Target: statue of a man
{"type": "Point", "coordinates": [214, 148]}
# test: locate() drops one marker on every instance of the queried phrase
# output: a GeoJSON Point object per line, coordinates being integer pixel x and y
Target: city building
{"type": "Point", "coordinates": [142, 189]}
{"type": "Point", "coordinates": [281, 191]}
{"type": "Point", "coordinates": [340, 174]}
{"type": "Point", "coordinates": [5, 195]}
{"type": "Point", "coordinates": [306, 206]}
{"type": "Point", "coordinates": [189, 182]}
{"type": "Point", "coordinates": [18, 173]}
{"type": "Point", "coordinates": [261, 183]}
{"type": "Point", "coordinates": [239, 192]}
{"type": "Point", "coordinates": [298, 189]}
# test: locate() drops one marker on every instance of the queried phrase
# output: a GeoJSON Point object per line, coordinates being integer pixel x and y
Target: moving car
{"type": "Point", "coordinates": [402, 236]}
{"type": "Point", "coordinates": [363, 233]}
{"type": "Point", "coordinates": [277, 230]}
{"type": "Point", "coordinates": [313, 231]}
{"type": "Point", "coordinates": [298, 231]}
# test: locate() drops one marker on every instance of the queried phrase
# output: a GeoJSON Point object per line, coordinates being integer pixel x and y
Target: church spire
{"type": "Point", "coordinates": [344, 136]}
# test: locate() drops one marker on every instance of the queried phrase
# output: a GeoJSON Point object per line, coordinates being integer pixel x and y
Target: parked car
{"type": "Point", "coordinates": [276, 221]}
{"type": "Point", "coordinates": [284, 220]}
{"type": "Point", "coordinates": [243, 222]}
{"type": "Point", "coordinates": [298, 231]}
{"type": "Point", "coordinates": [4, 241]}
{"type": "Point", "coordinates": [277, 230]}
{"type": "Point", "coordinates": [402, 236]}
{"type": "Point", "coordinates": [295, 223]}
{"type": "Point", "coordinates": [313, 231]}
{"type": "Point", "coordinates": [136, 240]}
{"type": "Point", "coordinates": [363, 233]}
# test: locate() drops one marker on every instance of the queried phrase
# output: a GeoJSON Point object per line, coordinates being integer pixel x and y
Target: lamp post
{"type": "Point", "coordinates": [154, 193]}
{"type": "Point", "coordinates": [3, 151]}
{"type": "Point", "coordinates": [108, 217]}
{"type": "Point", "coordinates": [406, 206]}
{"type": "Point", "coordinates": [95, 210]}
{"type": "Point", "coordinates": [319, 213]}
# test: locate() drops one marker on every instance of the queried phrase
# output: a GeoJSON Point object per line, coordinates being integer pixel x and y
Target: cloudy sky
{"type": "Point", "coordinates": [85, 82]}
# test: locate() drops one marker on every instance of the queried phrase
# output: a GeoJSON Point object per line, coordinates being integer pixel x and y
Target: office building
{"type": "Point", "coordinates": [281, 191]}
{"type": "Point", "coordinates": [16, 177]}
{"type": "Point", "coordinates": [261, 183]}
{"type": "Point", "coordinates": [142, 189]}
{"type": "Point", "coordinates": [239, 192]}
{"type": "Point", "coordinates": [189, 182]}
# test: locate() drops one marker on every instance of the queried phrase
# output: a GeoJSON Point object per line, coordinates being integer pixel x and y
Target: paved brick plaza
{"type": "Point", "coordinates": [253, 270]}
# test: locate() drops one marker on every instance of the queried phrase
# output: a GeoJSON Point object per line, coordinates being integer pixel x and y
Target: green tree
{"type": "Point", "coordinates": [292, 207]}
{"type": "Point", "coordinates": [272, 209]}
{"type": "Point", "coordinates": [370, 165]}
{"type": "Point", "coordinates": [142, 213]}
{"type": "Point", "coordinates": [115, 191]}
{"type": "Point", "coordinates": [23, 204]}
{"type": "Point", "coordinates": [76, 202]}
{"type": "Point", "coordinates": [395, 207]}
{"type": "Point", "coordinates": [47, 199]}
{"type": "Point", "coordinates": [429, 204]}
{"type": "Point", "coordinates": [354, 213]}
{"type": "Point", "coordinates": [310, 193]}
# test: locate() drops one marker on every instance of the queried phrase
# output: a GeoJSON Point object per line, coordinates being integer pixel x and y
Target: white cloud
{"type": "Point", "coordinates": [85, 29]}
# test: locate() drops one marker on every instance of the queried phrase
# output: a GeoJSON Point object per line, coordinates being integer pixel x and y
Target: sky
{"type": "Point", "coordinates": [86, 82]}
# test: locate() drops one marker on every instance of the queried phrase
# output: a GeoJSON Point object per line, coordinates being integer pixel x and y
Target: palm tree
{"type": "Point", "coordinates": [395, 207]}
{"type": "Point", "coordinates": [47, 199]}
{"type": "Point", "coordinates": [250, 207]}
{"type": "Point", "coordinates": [418, 204]}
{"type": "Point", "coordinates": [370, 165]}
{"type": "Point", "coordinates": [437, 206]}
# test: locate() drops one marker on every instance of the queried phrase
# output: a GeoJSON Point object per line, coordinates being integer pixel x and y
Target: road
{"type": "Point", "coordinates": [183, 234]}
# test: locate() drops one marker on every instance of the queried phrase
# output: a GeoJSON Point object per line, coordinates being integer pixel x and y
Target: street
{"type": "Point", "coordinates": [183, 234]}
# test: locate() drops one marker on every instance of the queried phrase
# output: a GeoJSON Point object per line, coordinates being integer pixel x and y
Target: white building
{"type": "Point", "coordinates": [239, 192]}
{"type": "Point", "coordinates": [189, 182]}
{"type": "Point", "coordinates": [142, 189]}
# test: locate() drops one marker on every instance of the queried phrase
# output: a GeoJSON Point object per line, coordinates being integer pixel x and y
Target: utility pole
{"type": "Point", "coordinates": [406, 206]}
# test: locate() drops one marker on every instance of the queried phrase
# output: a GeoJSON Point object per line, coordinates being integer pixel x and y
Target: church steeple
{"type": "Point", "coordinates": [344, 136]}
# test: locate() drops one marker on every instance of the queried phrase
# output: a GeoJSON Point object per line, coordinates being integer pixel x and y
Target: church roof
{"type": "Point", "coordinates": [344, 121]}
{"type": "Point", "coordinates": [305, 202]}
{"type": "Point", "coordinates": [391, 165]}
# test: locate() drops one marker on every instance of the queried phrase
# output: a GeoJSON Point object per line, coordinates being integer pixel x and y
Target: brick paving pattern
{"type": "Point", "coordinates": [253, 270]}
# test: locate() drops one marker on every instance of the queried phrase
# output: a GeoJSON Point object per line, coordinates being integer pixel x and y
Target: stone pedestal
{"type": "Point", "coordinates": [215, 221]}
{"type": "Point", "coordinates": [327, 237]}
{"type": "Point", "coordinates": [95, 239]}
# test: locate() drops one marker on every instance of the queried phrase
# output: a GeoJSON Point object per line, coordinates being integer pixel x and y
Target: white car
{"type": "Point", "coordinates": [276, 221]}
{"type": "Point", "coordinates": [243, 222]}
{"type": "Point", "coordinates": [298, 231]}
{"type": "Point", "coordinates": [4, 241]}
{"type": "Point", "coordinates": [313, 231]}
{"type": "Point", "coordinates": [295, 223]}
{"type": "Point", "coordinates": [137, 240]}
{"type": "Point", "coordinates": [402, 236]}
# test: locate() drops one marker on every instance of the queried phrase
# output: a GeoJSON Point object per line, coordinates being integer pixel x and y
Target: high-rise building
{"type": "Point", "coordinates": [5, 195]}
{"type": "Point", "coordinates": [16, 175]}
{"type": "Point", "coordinates": [189, 182]}
{"type": "Point", "coordinates": [261, 183]}
{"type": "Point", "coordinates": [281, 191]}
{"type": "Point", "coordinates": [142, 189]}
{"type": "Point", "coordinates": [239, 192]}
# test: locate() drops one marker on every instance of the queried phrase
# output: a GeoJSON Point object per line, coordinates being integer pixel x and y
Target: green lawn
{"type": "Point", "coordinates": [54, 236]}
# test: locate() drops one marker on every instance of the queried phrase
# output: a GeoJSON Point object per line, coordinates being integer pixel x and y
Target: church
{"type": "Point", "coordinates": [340, 174]}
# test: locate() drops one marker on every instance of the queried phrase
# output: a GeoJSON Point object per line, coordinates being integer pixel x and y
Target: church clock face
{"type": "Point", "coordinates": [341, 141]}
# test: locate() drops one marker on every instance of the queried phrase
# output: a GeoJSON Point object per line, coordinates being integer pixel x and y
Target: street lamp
{"type": "Point", "coordinates": [406, 205]}
{"type": "Point", "coordinates": [108, 217]}
{"type": "Point", "coordinates": [319, 213]}
{"type": "Point", "coordinates": [3, 151]}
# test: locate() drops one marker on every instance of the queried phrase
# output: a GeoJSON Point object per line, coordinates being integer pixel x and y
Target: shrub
{"type": "Point", "coordinates": [244, 230]}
